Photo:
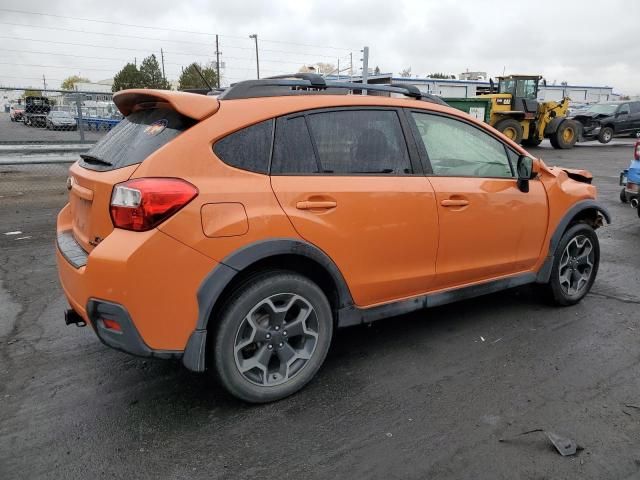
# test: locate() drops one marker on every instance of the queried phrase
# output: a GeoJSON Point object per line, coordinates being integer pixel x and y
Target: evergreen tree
{"type": "Point", "coordinates": [128, 77]}
{"type": "Point", "coordinates": [152, 75]}
{"type": "Point", "coordinates": [191, 79]}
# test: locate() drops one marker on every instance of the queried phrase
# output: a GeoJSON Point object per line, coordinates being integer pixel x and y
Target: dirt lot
{"type": "Point", "coordinates": [427, 395]}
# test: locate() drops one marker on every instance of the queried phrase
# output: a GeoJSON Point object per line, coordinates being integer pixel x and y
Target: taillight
{"type": "Point", "coordinates": [636, 151]}
{"type": "Point", "coordinates": [143, 203]}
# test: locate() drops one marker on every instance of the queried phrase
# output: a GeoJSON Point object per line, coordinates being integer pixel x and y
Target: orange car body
{"type": "Point", "coordinates": [405, 241]}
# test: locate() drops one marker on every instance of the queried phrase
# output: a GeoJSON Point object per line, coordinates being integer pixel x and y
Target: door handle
{"type": "Point", "coordinates": [454, 203]}
{"type": "Point", "coordinates": [316, 204]}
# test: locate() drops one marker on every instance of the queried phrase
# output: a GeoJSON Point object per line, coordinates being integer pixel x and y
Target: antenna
{"type": "Point", "coordinates": [202, 77]}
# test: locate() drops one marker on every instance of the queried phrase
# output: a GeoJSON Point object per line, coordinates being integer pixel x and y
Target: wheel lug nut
{"type": "Point", "coordinates": [284, 333]}
{"type": "Point", "coordinates": [276, 328]}
{"type": "Point", "coordinates": [280, 344]}
{"type": "Point", "coordinates": [270, 347]}
{"type": "Point", "coordinates": [268, 336]}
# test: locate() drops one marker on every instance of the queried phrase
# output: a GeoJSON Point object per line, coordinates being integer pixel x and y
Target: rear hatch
{"type": "Point", "coordinates": [153, 119]}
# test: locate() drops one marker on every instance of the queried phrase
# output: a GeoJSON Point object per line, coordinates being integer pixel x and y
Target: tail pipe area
{"type": "Point", "coordinates": [634, 202]}
{"type": "Point", "coordinates": [71, 317]}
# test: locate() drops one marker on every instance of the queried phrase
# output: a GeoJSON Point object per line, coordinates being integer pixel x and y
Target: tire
{"type": "Point", "coordinates": [623, 196]}
{"type": "Point", "coordinates": [565, 136]}
{"type": "Point", "coordinates": [510, 128]}
{"type": "Point", "coordinates": [605, 135]}
{"type": "Point", "coordinates": [531, 142]}
{"type": "Point", "coordinates": [283, 363]}
{"type": "Point", "coordinates": [574, 258]}
{"type": "Point", "coordinates": [637, 134]}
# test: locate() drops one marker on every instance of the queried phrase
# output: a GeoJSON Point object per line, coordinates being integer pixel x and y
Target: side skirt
{"type": "Point", "coordinates": [349, 316]}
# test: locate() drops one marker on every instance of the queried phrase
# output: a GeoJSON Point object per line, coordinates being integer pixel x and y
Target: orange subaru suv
{"type": "Point", "coordinates": [237, 231]}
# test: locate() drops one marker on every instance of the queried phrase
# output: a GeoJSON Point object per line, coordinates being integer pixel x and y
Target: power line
{"type": "Point", "coordinates": [167, 29]}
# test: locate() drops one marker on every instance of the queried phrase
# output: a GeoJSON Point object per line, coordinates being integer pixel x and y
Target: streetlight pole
{"type": "Point", "coordinates": [255, 38]}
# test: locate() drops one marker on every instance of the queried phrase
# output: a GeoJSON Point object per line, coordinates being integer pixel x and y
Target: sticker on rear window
{"type": "Point", "coordinates": [156, 127]}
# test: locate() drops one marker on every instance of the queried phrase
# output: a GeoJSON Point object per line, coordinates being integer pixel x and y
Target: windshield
{"type": "Point", "coordinates": [604, 108]}
{"type": "Point", "coordinates": [507, 86]}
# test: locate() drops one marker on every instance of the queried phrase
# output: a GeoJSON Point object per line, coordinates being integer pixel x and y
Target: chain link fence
{"type": "Point", "coordinates": [42, 132]}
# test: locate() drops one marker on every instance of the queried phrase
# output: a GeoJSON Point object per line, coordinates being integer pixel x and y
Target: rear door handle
{"type": "Point", "coordinates": [454, 203]}
{"type": "Point", "coordinates": [316, 204]}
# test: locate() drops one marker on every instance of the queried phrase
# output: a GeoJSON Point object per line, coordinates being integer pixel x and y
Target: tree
{"type": "Point", "coordinates": [152, 75]}
{"type": "Point", "coordinates": [69, 83]}
{"type": "Point", "coordinates": [376, 71]}
{"type": "Point", "coordinates": [191, 79]}
{"type": "Point", "coordinates": [441, 75]}
{"type": "Point", "coordinates": [128, 77]}
{"type": "Point", "coordinates": [406, 73]}
{"type": "Point", "coordinates": [32, 93]}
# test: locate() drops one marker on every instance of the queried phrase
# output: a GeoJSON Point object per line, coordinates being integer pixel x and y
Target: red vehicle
{"type": "Point", "coordinates": [16, 112]}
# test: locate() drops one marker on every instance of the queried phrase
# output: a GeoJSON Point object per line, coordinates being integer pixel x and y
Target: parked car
{"type": "Point", "coordinates": [58, 119]}
{"type": "Point", "coordinates": [35, 111]}
{"type": "Point", "coordinates": [16, 112]}
{"type": "Point", "coordinates": [236, 233]}
{"type": "Point", "coordinates": [603, 121]}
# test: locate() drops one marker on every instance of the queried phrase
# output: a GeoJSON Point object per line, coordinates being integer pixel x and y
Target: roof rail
{"type": "Point", "coordinates": [314, 84]}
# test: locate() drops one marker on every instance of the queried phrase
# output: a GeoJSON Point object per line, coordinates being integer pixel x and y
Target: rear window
{"type": "Point", "coordinates": [135, 138]}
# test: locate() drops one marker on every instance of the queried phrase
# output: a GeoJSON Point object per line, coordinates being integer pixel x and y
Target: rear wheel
{"type": "Point", "coordinates": [565, 136]}
{"type": "Point", "coordinates": [273, 336]}
{"type": "Point", "coordinates": [510, 128]}
{"type": "Point", "coordinates": [575, 265]}
{"type": "Point", "coordinates": [605, 135]}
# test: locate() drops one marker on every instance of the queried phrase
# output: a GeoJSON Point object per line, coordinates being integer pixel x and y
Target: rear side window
{"type": "Point", "coordinates": [360, 141]}
{"type": "Point", "coordinates": [635, 107]}
{"type": "Point", "coordinates": [248, 149]}
{"type": "Point", "coordinates": [293, 150]}
{"type": "Point", "coordinates": [135, 138]}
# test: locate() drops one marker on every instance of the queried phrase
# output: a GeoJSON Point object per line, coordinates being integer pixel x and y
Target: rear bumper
{"type": "Point", "coordinates": [127, 339]}
{"type": "Point", "coordinates": [146, 281]}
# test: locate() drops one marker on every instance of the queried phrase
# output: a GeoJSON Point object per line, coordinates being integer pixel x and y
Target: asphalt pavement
{"type": "Point", "coordinates": [423, 396]}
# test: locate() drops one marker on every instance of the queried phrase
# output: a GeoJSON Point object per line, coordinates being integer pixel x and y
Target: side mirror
{"type": "Point", "coordinates": [526, 169]}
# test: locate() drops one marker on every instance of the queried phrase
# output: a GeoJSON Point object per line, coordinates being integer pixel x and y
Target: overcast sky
{"type": "Point", "coordinates": [581, 42]}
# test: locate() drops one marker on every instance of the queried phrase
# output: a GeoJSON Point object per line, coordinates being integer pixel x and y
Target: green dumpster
{"type": "Point", "coordinates": [479, 108]}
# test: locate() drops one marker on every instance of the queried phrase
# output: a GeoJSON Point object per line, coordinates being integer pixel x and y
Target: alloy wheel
{"type": "Point", "coordinates": [276, 339]}
{"type": "Point", "coordinates": [576, 265]}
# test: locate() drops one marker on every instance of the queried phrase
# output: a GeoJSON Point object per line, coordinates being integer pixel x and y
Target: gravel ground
{"type": "Point", "coordinates": [425, 395]}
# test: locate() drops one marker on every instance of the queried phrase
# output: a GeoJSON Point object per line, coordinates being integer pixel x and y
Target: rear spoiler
{"type": "Point", "coordinates": [197, 107]}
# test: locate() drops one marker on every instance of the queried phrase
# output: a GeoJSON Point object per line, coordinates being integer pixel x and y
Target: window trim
{"type": "Point", "coordinates": [425, 155]}
{"type": "Point", "coordinates": [412, 153]}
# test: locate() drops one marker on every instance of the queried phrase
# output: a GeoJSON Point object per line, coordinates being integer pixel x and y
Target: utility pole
{"type": "Point", "coordinates": [162, 57]}
{"type": "Point", "coordinates": [365, 67]}
{"type": "Point", "coordinates": [44, 82]}
{"type": "Point", "coordinates": [255, 37]}
{"type": "Point", "coordinates": [338, 68]}
{"type": "Point", "coordinates": [135, 61]}
{"type": "Point", "coordinates": [351, 66]}
{"type": "Point", "coordinates": [217, 63]}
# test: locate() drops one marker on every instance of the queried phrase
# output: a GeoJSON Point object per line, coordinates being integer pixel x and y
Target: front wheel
{"type": "Point", "coordinates": [605, 135]}
{"type": "Point", "coordinates": [565, 136]}
{"type": "Point", "coordinates": [623, 196]}
{"type": "Point", "coordinates": [273, 336]}
{"type": "Point", "coordinates": [511, 128]}
{"type": "Point", "coordinates": [575, 265]}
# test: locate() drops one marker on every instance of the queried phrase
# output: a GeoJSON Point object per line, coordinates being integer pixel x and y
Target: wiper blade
{"type": "Point", "coordinates": [92, 159]}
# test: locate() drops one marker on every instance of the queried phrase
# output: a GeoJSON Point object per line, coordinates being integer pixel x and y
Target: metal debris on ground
{"type": "Point", "coordinates": [564, 446]}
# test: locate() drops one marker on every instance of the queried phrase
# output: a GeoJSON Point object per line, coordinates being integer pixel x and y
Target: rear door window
{"type": "Point", "coordinates": [360, 142]}
{"type": "Point", "coordinates": [135, 138]}
{"type": "Point", "coordinates": [293, 151]}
